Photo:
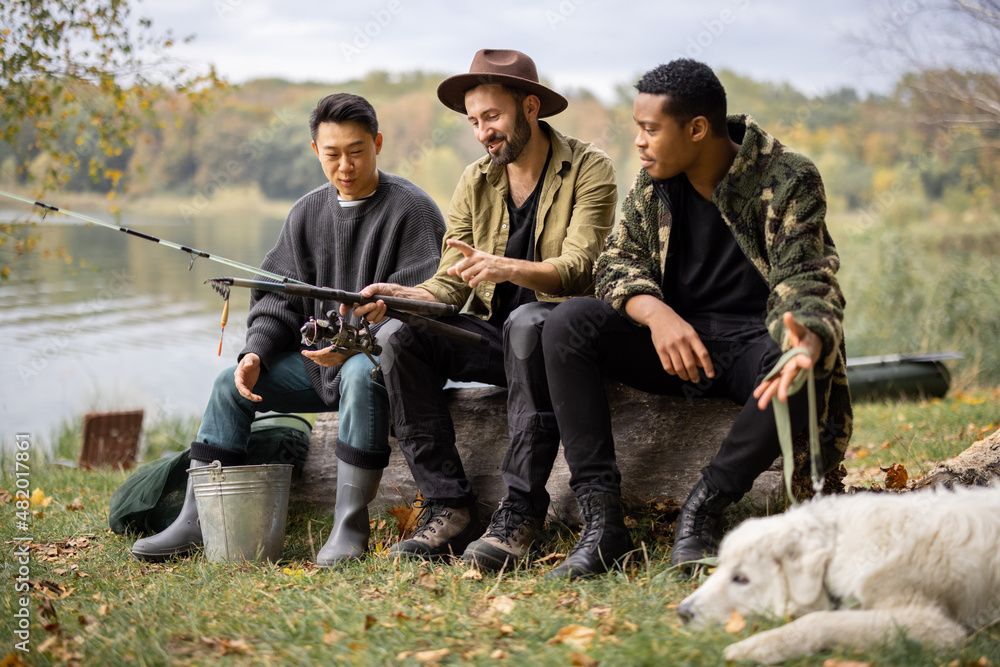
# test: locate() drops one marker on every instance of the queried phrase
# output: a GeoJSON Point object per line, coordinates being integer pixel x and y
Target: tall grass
{"type": "Point", "coordinates": [921, 281]}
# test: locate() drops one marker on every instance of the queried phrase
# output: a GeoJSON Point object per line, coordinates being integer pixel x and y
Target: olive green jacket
{"type": "Point", "coordinates": [575, 213]}
{"type": "Point", "coordinates": [773, 200]}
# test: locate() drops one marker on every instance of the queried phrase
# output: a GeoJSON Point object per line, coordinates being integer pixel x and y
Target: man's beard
{"type": "Point", "coordinates": [514, 144]}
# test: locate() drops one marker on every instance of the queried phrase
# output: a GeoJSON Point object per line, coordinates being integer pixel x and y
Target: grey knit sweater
{"type": "Point", "coordinates": [395, 236]}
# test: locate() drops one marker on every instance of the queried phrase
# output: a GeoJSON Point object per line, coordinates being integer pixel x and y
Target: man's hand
{"type": "Point", "coordinates": [328, 356]}
{"type": "Point", "coordinates": [799, 336]}
{"type": "Point", "coordinates": [677, 344]}
{"type": "Point", "coordinates": [375, 312]}
{"type": "Point", "coordinates": [478, 266]}
{"type": "Point", "coordinates": [246, 375]}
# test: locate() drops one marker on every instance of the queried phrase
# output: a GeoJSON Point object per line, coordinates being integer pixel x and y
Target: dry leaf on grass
{"type": "Point", "coordinates": [736, 623]}
{"type": "Point", "coordinates": [498, 654]}
{"type": "Point", "coordinates": [577, 636]}
{"type": "Point", "coordinates": [429, 656]}
{"type": "Point", "coordinates": [13, 660]}
{"type": "Point", "coordinates": [331, 637]}
{"type": "Point", "coordinates": [831, 662]}
{"type": "Point", "coordinates": [473, 574]}
{"type": "Point", "coordinates": [582, 660]}
{"type": "Point", "coordinates": [4, 499]}
{"type": "Point", "coordinates": [406, 516]}
{"type": "Point", "coordinates": [501, 605]}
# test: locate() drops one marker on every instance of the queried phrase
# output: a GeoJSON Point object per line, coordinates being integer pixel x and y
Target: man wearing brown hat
{"type": "Point", "coordinates": [526, 223]}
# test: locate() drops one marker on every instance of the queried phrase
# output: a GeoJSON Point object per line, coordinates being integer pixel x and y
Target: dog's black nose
{"type": "Point", "coordinates": [686, 611]}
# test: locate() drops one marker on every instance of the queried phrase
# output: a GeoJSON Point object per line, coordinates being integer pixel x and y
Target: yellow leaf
{"type": "Point", "coordinates": [38, 498]}
{"type": "Point", "coordinates": [736, 623]}
{"type": "Point", "coordinates": [577, 636]}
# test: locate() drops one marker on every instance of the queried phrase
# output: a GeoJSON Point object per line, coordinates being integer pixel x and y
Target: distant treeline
{"type": "Point", "coordinates": [873, 153]}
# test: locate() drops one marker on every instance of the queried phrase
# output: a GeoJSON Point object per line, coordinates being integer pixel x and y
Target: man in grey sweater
{"type": "Point", "coordinates": [363, 227]}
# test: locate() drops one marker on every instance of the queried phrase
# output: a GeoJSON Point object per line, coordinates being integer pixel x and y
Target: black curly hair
{"type": "Point", "coordinates": [693, 89]}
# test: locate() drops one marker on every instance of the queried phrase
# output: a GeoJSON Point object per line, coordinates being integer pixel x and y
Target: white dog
{"type": "Point", "coordinates": [855, 570]}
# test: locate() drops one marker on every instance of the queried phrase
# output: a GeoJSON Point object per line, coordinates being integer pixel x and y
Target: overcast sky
{"type": "Point", "coordinates": [593, 44]}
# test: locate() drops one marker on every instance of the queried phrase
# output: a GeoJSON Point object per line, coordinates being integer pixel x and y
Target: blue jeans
{"type": "Point", "coordinates": [363, 438]}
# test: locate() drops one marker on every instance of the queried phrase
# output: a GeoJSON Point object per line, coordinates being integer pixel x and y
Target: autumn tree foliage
{"type": "Point", "coordinates": [79, 80]}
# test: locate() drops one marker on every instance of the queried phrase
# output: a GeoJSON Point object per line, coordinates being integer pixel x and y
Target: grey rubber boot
{"type": "Point", "coordinates": [180, 537]}
{"type": "Point", "coordinates": [356, 487]}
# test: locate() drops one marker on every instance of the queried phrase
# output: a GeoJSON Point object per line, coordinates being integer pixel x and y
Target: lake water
{"type": "Point", "coordinates": [132, 329]}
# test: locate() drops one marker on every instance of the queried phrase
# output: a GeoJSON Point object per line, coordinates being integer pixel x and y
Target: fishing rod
{"type": "Point", "coordinates": [344, 337]}
{"type": "Point", "coordinates": [193, 252]}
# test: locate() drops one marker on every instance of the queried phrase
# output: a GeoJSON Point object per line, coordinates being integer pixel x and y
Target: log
{"type": "Point", "coordinates": [662, 443]}
{"type": "Point", "coordinates": [979, 465]}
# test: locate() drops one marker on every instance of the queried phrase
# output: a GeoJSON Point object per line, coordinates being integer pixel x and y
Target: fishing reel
{"type": "Point", "coordinates": [342, 337]}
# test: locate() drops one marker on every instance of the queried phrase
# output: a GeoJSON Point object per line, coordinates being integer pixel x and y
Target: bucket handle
{"type": "Point", "coordinates": [217, 474]}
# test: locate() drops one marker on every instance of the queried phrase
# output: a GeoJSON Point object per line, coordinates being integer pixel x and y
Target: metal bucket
{"type": "Point", "coordinates": [242, 510]}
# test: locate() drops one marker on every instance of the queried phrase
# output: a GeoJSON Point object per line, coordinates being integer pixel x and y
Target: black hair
{"type": "Point", "coordinates": [519, 94]}
{"type": "Point", "coordinates": [343, 108]}
{"type": "Point", "coordinates": [693, 90]}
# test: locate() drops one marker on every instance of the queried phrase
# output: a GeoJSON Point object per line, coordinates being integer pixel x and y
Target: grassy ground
{"type": "Point", "coordinates": [92, 603]}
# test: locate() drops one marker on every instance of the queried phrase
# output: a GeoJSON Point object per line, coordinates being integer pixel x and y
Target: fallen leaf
{"type": "Point", "coordinates": [473, 574]}
{"type": "Point", "coordinates": [582, 660]}
{"type": "Point", "coordinates": [736, 623]}
{"type": "Point", "coordinates": [76, 505]}
{"type": "Point", "coordinates": [38, 498]}
{"type": "Point", "coordinates": [896, 476]}
{"type": "Point", "coordinates": [13, 660]}
{"type": "Point", "coordinates": [103, 610]}
{"type": "Point", "coordinates": [831, 662]}
{"type": "Point", "coordinates": [428, 656]}
{"type": "Point", "coordinates": [4, 499]}
{"type": "Point", "coordinates": [498, 654]}
{"type": "Point", "coordinates": [406, 516]}
{"type": "Point", "coordinates": [370, 621]}
{"type": "Point", "coordinates": [332, 637]}
{"type": "Point", "coordinates": [577, 636]}
{"type": "Point", "coordinates": [427, 580]}
{"type": "Point", "coordinates": [506, 629]}
{"type": "Point", "coordinates": [502, 605]}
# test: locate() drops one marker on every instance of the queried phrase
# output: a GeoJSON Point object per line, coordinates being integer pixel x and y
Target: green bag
{"type": "Point", "coordinates": [151, 498]}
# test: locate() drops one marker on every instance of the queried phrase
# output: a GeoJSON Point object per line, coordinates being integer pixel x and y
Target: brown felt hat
{"type": "Point", "coordinates": [505, 67]}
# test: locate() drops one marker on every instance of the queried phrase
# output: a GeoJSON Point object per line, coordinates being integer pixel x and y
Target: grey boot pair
{"type": "Point", "coordinates": [180, 537]}
{"type": "Point", "coordinates": [356, 488]}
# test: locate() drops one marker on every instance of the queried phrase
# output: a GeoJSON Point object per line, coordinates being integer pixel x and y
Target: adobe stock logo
{"type": "Point", "coordinates": [363, 35]}
{"type": "Point", "coordinates": [714, 28]}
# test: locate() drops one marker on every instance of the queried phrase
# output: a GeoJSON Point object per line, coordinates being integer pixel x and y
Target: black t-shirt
{"type": "Point", "coordinates": [520, 245]}
{"type": "Point", "coordinates": [706, 270]}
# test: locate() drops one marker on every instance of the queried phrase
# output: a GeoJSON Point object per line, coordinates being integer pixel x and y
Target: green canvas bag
{"type": "Point", "coordinates": [152, 496]}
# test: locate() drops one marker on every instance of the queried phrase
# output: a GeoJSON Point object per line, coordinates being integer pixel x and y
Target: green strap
{"type": "Point", "coordinates": [784, 425]}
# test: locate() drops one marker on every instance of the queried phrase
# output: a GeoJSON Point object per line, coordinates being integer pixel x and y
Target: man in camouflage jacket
{"type": "Point", "coordinates": [720, 262]}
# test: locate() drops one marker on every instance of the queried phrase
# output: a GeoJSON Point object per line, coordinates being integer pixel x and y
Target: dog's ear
{"type": "Point", "coordinates": [804, 559]}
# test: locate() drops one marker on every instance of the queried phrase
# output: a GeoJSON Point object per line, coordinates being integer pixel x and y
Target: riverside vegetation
{"type": "Point", "coordinates": [91, 602]}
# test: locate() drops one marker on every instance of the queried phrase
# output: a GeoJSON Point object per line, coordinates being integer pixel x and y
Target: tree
{"type": "Point", "coordinates": [86, 70]}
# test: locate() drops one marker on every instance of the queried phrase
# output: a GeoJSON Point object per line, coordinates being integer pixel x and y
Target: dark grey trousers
{"type": "Point", "coordinates": [586, 341]}
{"type": "Point", "coordinates": [416, 364]}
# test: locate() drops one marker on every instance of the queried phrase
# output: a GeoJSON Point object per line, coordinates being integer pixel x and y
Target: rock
{"type": "Point", "coordinates": [662, 443]}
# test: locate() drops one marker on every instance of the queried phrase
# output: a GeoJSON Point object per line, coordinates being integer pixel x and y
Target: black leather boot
{"type": "Point", "coordinates": [603, 542]}
{"type": "Point", "coordinates": [180, 537]}
{"type": "Point", "coordinates": [697, 533]}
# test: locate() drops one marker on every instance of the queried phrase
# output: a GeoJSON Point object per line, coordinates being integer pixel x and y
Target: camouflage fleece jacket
{"type": "Point", "coordinates": [773, 200]}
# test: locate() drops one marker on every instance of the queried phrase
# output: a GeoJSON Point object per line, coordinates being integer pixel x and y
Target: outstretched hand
{"type": "Point", "coordinates": [799, 336]}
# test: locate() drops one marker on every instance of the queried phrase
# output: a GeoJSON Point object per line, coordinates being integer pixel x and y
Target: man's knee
{"type": "Point", "coordinates": [225, 383]}
{"type": "Point", "coordinates": [523, 329]}
{"type": "Point", "coordinates": [576, 320]}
